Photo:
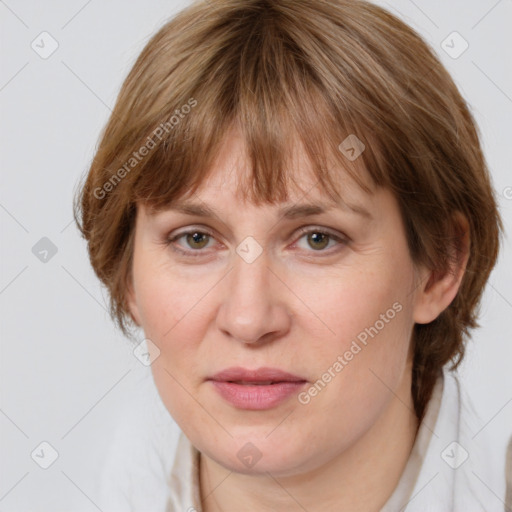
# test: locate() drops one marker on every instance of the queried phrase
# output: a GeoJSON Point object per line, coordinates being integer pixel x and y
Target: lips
{"type": "Point", "coordinates": [260, 376]}
{"type": "Point", "coordinates": [264, 388]}
{"type": "Point", "coordinates": [256, 383]}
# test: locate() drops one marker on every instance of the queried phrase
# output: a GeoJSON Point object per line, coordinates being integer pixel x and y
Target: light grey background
{"type": "Point", "coordinates": [65, 371]}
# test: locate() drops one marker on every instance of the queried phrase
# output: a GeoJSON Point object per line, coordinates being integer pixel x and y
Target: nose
{"type": "Point", "coordinates": [253, 308]}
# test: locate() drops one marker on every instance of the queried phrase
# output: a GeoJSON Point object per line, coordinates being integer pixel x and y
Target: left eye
{"type": "Point", "coordinates": [317, 239]}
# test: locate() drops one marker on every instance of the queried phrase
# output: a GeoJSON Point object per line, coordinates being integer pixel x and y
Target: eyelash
{"type": "Point", "coordinates": [301, 231]}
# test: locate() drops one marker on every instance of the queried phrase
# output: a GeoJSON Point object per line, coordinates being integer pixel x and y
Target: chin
{"type": "Point", "coordinates": [257, 455]}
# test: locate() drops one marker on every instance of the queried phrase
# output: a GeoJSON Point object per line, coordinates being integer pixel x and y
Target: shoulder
{"type": "Point", "coordinates": [508, 476]}
{"type": "Point", "coordinates": [462, 467]}
{"type": "Point", "coordinates": [139, 459]}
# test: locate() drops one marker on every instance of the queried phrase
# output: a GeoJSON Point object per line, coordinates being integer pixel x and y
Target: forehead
{"type": "Point", "coordinates": [229, 178]}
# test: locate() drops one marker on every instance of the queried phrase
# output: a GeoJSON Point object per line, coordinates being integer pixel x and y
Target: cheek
{"type": "Point", "coordinates": [361, 346]}
{"type": "Point", "coordinates": [356, 305]}
{"type": "Point", "coordinates": [166, 301]}
{"type": "Point", "coordinates": [170, 309]}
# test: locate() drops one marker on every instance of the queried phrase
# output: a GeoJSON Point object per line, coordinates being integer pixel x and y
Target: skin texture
{"type": "Point", "coordinates": [297, 307]}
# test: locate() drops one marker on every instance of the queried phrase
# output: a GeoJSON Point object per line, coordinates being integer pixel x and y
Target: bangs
{"type": "Point", "coordinates": [259, 83]}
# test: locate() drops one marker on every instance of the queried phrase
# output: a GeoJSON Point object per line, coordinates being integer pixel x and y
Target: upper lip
{"type": "Point", "coordinates": [239, 374]}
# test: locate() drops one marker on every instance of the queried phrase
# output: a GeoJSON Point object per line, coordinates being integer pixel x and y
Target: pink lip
{"type": "Point", "coordinates": [232, 385]}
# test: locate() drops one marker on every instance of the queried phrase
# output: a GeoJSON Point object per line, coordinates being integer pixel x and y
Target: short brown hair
{"type": "Point", "coordinates": [314, 71]}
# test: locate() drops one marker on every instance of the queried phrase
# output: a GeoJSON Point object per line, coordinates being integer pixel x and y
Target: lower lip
{"type": "Point", "coordinates": [256, 397]}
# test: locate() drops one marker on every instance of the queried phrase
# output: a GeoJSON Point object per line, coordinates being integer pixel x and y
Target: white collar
{"type": "Point", "coordinates": [438, 476]}
{"type": "Point", "coordinates": [146, 470]}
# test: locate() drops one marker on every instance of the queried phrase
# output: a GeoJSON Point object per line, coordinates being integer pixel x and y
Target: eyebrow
{"type": "Point", "coordinates": [288, 212]}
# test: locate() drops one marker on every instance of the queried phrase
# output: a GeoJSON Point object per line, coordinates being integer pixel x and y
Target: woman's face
{"type": "Point", "coordinates": [328, 298]}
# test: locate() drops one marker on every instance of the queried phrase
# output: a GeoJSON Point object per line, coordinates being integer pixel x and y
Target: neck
{"type": "Point", "coordinates": [361, 478]}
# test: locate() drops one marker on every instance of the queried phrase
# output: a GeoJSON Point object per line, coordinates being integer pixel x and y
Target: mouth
{"type": "Point", "coordinates": [260, 376]}
{"type": "Point", "coordinates": [255, 383]}
{"type": "Point", "coordinates": [264, 388]}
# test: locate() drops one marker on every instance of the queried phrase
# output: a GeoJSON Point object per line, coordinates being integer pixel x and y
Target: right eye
{"type": "Point", "coordinates": [194, 239]}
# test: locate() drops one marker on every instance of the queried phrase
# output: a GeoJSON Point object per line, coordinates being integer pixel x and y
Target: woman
{"type": "Point", "coordinates": [291, 200]}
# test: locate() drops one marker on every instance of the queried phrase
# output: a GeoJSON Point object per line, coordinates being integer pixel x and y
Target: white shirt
{"type": "Point", "coordinates": [451, 467]}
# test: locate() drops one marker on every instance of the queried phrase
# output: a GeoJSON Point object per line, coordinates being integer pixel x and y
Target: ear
{"type": "Point", "coordinates": [131, 301]}
{"type": "Point", "coordinates": [437, 291]}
